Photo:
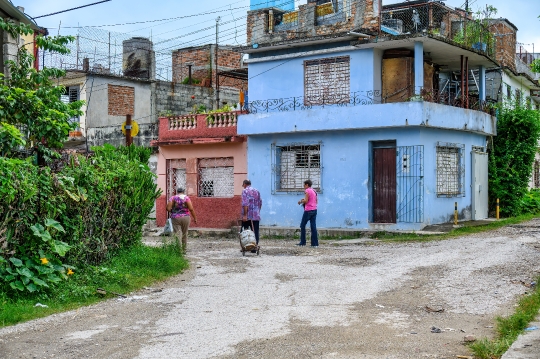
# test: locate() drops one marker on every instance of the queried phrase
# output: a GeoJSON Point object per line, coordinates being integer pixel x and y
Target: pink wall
{"type": "Point", "coordinates": [212, 212]}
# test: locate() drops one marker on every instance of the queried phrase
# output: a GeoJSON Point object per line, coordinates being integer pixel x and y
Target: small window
{"type": "Point", "coordinates": [450, 170]}
{"type": "Point", "coordinates": [327, 81]}
{"type": "Point", "coordinates": [518, 96]}
{"type": "Point", "coordinates": [294, 164]}
{"type": "Point", "coordinates": [508, 91]}
{"type": "Point", "coordinates": [536, 174]}
{"type": "Point", "coordinates": [216, 177]}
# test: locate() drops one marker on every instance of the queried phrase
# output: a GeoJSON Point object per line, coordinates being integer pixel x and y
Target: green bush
{"type": "Point", "coordinates": [511, 158]}
{"type": "Point", "coordinates": [82, 215]}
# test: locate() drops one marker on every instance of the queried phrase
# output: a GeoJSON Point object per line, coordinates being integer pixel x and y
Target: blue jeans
{"type": "Point", "coordinates": [310, 216]}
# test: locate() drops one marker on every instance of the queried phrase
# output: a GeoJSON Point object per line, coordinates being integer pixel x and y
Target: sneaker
{"type": "Point", "coordinates": [314, 246]}
{"type": "Point", "coordinates": [300, 245]}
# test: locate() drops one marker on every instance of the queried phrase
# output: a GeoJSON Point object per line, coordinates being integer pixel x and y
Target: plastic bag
{"type": "Point", "coordinates": [247, 237]}
{"type": "Point", "coordinates": [168, 229]}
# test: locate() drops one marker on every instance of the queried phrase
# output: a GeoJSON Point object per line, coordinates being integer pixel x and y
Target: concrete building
{"type": "Point", "coordinates": [374, 105]}
{"type": "Point", "coordinates": [205, 155]}
{"type": "Point", "coordinates": [9, 45]}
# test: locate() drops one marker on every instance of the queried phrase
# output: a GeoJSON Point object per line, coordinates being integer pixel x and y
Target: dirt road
{"type": "Point", "coordinates": [376, 301]}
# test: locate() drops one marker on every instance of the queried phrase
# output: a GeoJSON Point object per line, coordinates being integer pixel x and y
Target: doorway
{"type": "Point", "coordinates": [384, 182]}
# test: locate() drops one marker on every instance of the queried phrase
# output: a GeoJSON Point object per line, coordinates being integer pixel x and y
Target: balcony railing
{"type": "Point", "coordinates": [363, 98]}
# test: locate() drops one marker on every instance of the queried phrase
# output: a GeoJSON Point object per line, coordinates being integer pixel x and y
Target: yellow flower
{"type": "Point", "coordinates": [70, 272]}
{"type": "Point", "coordinates": [44, 260]}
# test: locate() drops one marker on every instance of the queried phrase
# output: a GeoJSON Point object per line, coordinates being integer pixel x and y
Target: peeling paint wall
{"type": "Point", "coordinates": [345, 200]}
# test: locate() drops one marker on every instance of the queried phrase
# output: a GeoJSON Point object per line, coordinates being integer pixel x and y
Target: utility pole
{"type": "Point", "coordinates": [129, 138]}
{"type": "Point", "coordinates": [217, 68]}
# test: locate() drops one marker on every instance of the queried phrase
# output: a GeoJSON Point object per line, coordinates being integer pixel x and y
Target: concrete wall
{"type": "Point", "coordinates": [365, 75]}
{"type": "Point", "coordinates": [346, 178]}
{"type": "Point", "coordinates": [212, 212]}
{"type": "Point", "coordinates": [390, 116]}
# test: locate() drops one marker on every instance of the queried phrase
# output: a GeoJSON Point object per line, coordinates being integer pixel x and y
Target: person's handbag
{"type": "Point", "coordinates": [168, 229]}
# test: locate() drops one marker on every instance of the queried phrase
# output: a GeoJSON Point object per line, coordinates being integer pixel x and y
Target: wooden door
{"type": "Point", "coordinates": [384, 185]}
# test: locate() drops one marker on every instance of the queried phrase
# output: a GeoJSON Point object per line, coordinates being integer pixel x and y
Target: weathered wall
{"type": "Point", "coordinates": [291, 74]}
{"type": "Point", "coordinates": [505, 42]}
{"type": "Point", "coordinates": [364, 16]}
{"type": "Point", "coordinates": [212, 212]}
{"type": "Point", "coordinates": [178, 99]}
{"type": "Point", "coordinates": [345, 201]}
{"type": "Point", "coordinates": [202, 59]}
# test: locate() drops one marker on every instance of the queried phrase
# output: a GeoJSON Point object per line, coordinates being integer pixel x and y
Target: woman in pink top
{"type": "Point", "coordinates": [310, 214]}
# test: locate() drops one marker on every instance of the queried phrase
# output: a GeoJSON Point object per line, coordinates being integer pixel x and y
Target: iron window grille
{"type": "Point", "coordinates": [450, 169]}
{"type": "Point", "coordinates": [71, 94]}
{"type": "Point", "coordinates": [327, 81]}
{"type": "Point", "coordinates": [295, 163]}
{"type": "Point", "coordinates": [176, 176]}
{"type": "Point", "coordinates": [216, 177]}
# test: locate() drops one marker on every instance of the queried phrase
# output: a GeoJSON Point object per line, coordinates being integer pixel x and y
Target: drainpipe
{"type": "Point", "coordinates": [482, 85]}
{"type": "Point", "coordinates": [418, 67]}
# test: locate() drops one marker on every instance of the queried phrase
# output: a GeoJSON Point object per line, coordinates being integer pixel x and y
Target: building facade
{"type": "Point", "coordinates": [386, 123]}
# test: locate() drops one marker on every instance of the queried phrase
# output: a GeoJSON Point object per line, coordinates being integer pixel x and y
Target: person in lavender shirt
{"type": "Point", "coordinates": [251, 208]}
{"type": "Point", "coordinates": [310, 214]}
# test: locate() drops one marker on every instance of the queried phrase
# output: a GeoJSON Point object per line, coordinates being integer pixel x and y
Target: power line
{"type": "Point", "coordinates": [74, 8]}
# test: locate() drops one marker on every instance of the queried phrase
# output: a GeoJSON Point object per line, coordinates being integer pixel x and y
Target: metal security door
{"type": "Point", "coordinates": [384, 185]}
{"type": "Point", "coordinates": [479, 184]}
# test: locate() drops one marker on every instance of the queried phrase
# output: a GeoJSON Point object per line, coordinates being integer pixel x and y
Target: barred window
{"type": "Point", "coordinates": [176, 175]}
{"type": "Point", "coordinates": [536, 174]}
{"type": "Point", "coordinates": [216, 177]}
{"type": "Point", "coordinates": [327, 81]}
{"type": "Point", "coordinates": [450, 170]}
{"type": "Point", "coordinates": [294, 164]}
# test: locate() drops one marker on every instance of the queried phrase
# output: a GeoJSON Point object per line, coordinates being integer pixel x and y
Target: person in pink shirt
{"type": "Point", "coordinates": [310, 214]}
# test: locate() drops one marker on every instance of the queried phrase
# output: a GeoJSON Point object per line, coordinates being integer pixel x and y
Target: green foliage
{"type": "Point", "coordinates": [210, 118]}
{"type": "Point", "coordinates": [131, 269]}
{"type": "Point", "coordinates": [10, 138]}
{"type": "Point", "coordinates": [512, 157]}
{"type": "Point", "coordinates": [476, 32]}
{"type": "Point", "coordinates": [509, 328]}
{"type": "Point", "coordinates": [194, 81]}
{"type": "Point", "coordinates": [535, 66]}
{"type": "Point", "coordinates": [84, 214]}
{"type": "Point", "coordinates": [30, 99]}
{"type": "Point", "coordinates": [198, 109]}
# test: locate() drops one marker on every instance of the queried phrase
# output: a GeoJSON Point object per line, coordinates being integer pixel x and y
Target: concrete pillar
{"type": "Point", "coordinates": [482, 84]}
{"type": "Point", "coordinates": [418, 67]}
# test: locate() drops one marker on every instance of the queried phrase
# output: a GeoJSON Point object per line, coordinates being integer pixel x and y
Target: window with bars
{"type": "Point", "coordinates": [176, 176]}
{"type": "Point", "coordinates": [536, 174]}
{"type": "Point", "coordinates": [216, 177]}
{"type": "Point", "coordinates": [71, 94]}
{"type": "Point", "coordinates": [294, 164]}
{"type": "Point", "coordinates": [327, 81]}
{"type": "Point", "coordinates": [450, 170]}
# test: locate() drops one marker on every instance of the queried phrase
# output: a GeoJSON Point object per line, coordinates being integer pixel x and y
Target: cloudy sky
{"type": "Point", "coordinates": [192, 22]}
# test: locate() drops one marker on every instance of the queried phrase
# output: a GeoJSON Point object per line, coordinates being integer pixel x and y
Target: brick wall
{"type": "Point", "coordinates": [364, 17]}
{"type": "Point", "coordinates": [121, 100]}
{"type": "Point", "coordinates": [505, 43]}
{"type": "Point", "coordinates": [203, 65]}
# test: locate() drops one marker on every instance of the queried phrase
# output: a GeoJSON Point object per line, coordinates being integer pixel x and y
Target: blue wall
{"type": "Point", "coordinates": [285, 77]}
{"type": "Point", "coordinates": [287, 5]}
{"type": "Point", "coordinates": [344, 201]}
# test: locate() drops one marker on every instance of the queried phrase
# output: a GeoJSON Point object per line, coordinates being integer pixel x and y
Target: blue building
{"type": "Point", "coordinates": [389, 119]}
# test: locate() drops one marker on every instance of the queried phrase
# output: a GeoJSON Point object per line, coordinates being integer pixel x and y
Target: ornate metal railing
{"type": "Point", "coordinates": [306, 103]}
{"type": "Point", "coordinates": [359, 98]}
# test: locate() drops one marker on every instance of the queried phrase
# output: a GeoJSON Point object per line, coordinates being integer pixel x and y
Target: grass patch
{"type": "Point", "coordinates": [130, 270]}
{"type": "Point", "coordinates": [467, 229]}
{"type": "Point", "coordinates": [509, 328]}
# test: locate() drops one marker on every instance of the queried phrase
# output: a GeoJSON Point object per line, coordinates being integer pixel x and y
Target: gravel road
{"type": "Point", "coordinates": [341, 300]}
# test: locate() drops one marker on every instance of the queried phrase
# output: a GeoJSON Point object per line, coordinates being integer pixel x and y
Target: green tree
{"type": "Point", "coordinates": [512, 156]}
{"type": "Point", "coordinates": [30, 100]}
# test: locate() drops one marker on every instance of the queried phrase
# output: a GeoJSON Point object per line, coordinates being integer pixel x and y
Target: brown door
{"type": "Point", "coordinates": [384, 185]}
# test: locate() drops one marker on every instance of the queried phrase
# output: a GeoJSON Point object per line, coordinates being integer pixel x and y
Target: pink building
{"type": "Point", "coordinates": [206, 157]}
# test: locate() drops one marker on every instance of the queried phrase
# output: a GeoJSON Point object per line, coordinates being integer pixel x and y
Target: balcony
{"type": "Point", "coordinates": [198, 128]}
{"type": "Point", "coordinates": [524, 59]}
{"type": "Point", "coordinates": [364, 98]}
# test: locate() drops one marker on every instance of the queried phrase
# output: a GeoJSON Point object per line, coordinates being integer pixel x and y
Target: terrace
{"type": "Point", "coordinates": [198, 128]}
